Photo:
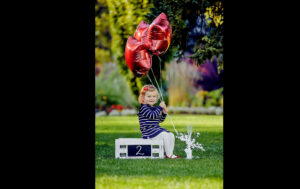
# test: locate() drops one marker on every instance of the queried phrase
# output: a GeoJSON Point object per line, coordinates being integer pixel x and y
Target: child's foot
{"type": "Point", "coordinates": [173, 157]}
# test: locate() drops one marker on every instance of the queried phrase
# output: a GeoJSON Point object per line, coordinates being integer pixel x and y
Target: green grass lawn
{"type": "Point", "coordinates": [205, 170]}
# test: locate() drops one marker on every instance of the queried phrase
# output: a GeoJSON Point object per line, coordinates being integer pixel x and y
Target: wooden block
{"type": "Point", "coordinates": [138, 148]}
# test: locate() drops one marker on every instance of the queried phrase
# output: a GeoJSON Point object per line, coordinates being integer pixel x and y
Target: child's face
{"type": "Point", "coordinates": [150, 98]}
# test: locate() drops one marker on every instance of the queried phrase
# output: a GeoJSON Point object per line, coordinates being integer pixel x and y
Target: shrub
{"type": "Point", "coordinates": [112, 89]}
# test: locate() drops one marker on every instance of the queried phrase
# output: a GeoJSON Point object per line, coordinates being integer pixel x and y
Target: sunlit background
{"type": "Point", "coordinates": [190, 78]}
{"type": "Point", "coordinates": [190, 73]}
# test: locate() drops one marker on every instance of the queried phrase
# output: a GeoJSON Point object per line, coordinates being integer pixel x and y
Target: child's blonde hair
{"type": "Point", "coordinates": [147, 88]}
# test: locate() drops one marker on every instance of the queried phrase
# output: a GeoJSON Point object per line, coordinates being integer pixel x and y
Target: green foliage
{"type": "Point", "coordinates": [207, 99]}
{"type": "Point", "coordinates": [214, 98]}
{"type": "Point", "coordinates": [102, 56]}
{"type": "Point", "coordinates": [207, 47]}
{"type": "Point", "coordinates": [124, 17]}
{"type": "Point", "coordinates": [112, 88]}
{"type": "Point", "coordinates": [102, 33]}
{"type": "Point", "coordinates": [178, 12]}
{"type": "Point", "coordinates": [116, 20]}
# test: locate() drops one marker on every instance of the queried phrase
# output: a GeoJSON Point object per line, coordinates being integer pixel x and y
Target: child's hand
{"type": "Point", "coordinates": [162, 104]}
{"type": "Point", "coordinates": [165, 110]}
{"type": "Point", "coordinates": [164, 107]}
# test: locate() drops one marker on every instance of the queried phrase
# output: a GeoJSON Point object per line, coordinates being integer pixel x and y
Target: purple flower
{"type": "Point", "coordinates": [210, 79]}
{"type": "Point", "coordinates": [97, 70]}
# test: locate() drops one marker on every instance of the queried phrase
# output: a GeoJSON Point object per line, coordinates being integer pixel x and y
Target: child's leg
{"type": "Point", "coordinates": [168, 144]}
{"type": "Point", "coordinates": [172, 138]}
{"type": "Point", "coordinates": [169, 140]}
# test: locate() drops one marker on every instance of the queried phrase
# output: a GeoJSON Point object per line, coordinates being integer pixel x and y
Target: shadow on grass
{"type": "Point", "coordinates": [205, 164]}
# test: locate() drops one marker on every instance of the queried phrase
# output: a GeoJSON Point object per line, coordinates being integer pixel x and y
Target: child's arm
{"type": "Point", "coordinates": [149, 113]}
{"type": "Point", "coordinates": [164, 112]}
{"type": "Point", "coordinates": [162, 117]}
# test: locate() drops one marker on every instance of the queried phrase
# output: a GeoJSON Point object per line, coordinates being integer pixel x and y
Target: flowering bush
{"type": "Point", "coordinates": [112, 90]}
{"type": "Point", "coordinates": [118, 107]}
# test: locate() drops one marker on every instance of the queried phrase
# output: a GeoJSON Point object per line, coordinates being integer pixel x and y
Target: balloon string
{"type": "Point", "coordinates": [156, 83]}
{"type": "Point", "coordinates": [168, 115]}
{"type": "Point", "coordinates": [150, 79]}
{"type": "Point", "coordinates": [172, 123]}
{"type": "Point", "coordinates": [160, 72]}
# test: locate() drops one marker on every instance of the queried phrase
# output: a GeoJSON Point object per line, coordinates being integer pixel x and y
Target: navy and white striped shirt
{"type": "Point", "coordinates": [149, 118]}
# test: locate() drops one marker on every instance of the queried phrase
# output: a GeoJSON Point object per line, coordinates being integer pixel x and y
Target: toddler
{"type": "Point", "coordinates": [150, 116]}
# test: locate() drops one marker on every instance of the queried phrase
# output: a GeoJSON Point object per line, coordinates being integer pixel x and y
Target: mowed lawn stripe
{"type": "Point", "coordinates": [204, 171]}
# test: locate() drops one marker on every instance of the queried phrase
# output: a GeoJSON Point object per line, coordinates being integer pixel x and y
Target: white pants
{"type": "Point", "coordinates": [169, 141]}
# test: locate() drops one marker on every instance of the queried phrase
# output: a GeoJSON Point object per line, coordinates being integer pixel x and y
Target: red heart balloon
{"type": "Point", "coordinates": [141, 32]}
{"type": "Point", "coordinates": [159, 35]}
{"type": "Point", "coordinates": [154, 39]}
{"type": "Point", "coordinates": [137, 57]}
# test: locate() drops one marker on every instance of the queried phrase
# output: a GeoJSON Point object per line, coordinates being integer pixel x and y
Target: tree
{"type": "Point", "coordinates": [102, 33]}
{"type": "Point", "coordinates": [197, 28]}
{"type": "Point", "coordinates": [198, 22]}
{"type": "Point", "coordinates": [124, 17]}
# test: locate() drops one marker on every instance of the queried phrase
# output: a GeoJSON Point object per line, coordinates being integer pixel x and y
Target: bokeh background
{"type": "Point", "coordinates": [190, 73]}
